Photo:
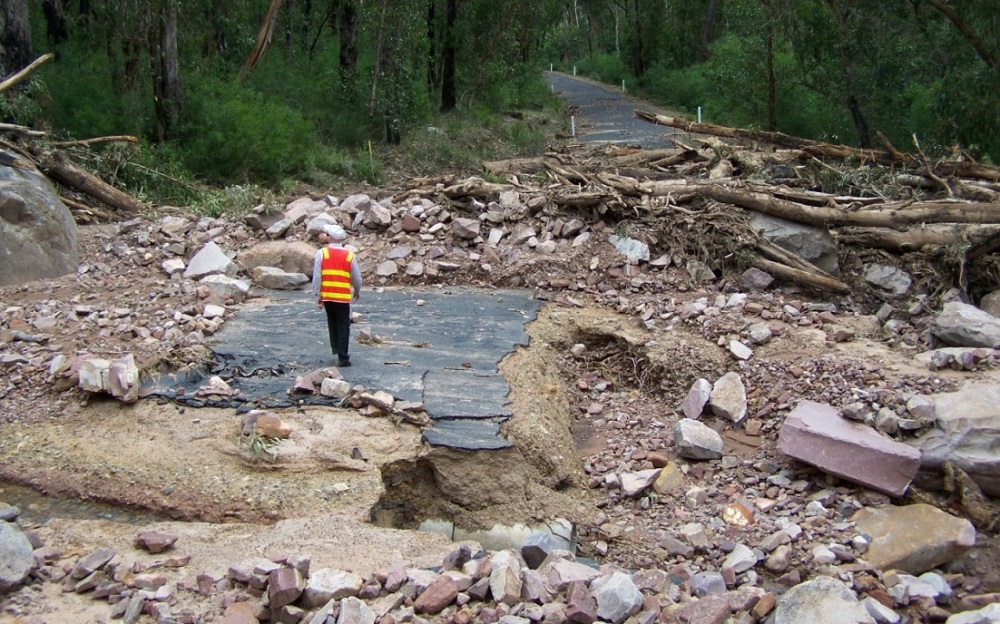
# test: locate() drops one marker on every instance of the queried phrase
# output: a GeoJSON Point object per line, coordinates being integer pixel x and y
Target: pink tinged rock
{"type": "Point", "coordinates": [355, 611]}
{"type": "Point", "coordinates": [560, 573]}
{"type": "Point", "coordinates": [581, 608]}
{"type": "Point", "coordinates": [411, 223]}
{"type": "Point", "coordinates": [708, 610]}
{"type": "Point", "coordinates": [92, 562]}
{"type": "Point", "coordinates": [729, 398]}
{"type": "Point", "coordinates": [696, 399]}
{"type": "Point", "coordinates": [505, 578]}
{"type": "Point", "coordinates": [284, 586]}
{"type": "Point", "coordinates": [816, 434]}
{"type": "Point", "coordinates": [438, 595]}
{"type": "Point", "coordinates": [271, 425]}
{"type": "Point", "coordinates": [913, 538]}
{"type": "Point", "coordinates": [635, 483]}
{"type": "Point", "coordinates": [154, 541]}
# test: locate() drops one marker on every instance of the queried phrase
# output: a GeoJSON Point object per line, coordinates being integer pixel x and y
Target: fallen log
{"type": "Point", "coordinates": [802, 278]}
{"type": "Point", "coordinates": [21, 75]}
{"type": "Point", "coordinates": [917, 238]}
{"type": "Point", "coordinates": [122, 138]}
{"type": "Point", "coordinates": [59, 167]}
{"type": "Point", "coordinates": [962, 169]}
{"type": "Point", "coordinates": [475, 187]}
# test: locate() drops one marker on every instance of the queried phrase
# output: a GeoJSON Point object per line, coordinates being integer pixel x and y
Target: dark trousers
{"type": "Point", "coordinates": [338, 321]}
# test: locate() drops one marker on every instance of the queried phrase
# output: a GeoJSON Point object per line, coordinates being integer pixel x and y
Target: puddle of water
{"type": "Point", "coordinates": [37, 508]}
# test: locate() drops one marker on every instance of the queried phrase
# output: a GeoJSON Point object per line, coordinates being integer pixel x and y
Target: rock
{"type": "Point", "coordinates": [335, 388]}
{"type": "Point", "coordinates": [154, 541]}
{"type": "Point", "coordinates": [561, 573]}
{"type": "Point", "coordinates": [708, 610]}
{"type": "Point", "coordinates": [210, 260]}
{"type": "Point", "coordinates": [816, 434]}
{"type": "Point", "coordinates": [617, 597]}
{"type": "Point", "coordinates": [889, 278]}
{"type": "Point", "coordinates": [881, 613]}
{"type": "Point", "coordinates": [696, 440]}
{"type": "Point", "coordinates": [289, 256]}
{"type": "Point", "coordinates": [755, 280]}
{"type": "Point", "coordinates": [274, 278]}
{"type": "Point", "coordinates": [355, 611]}
{"type": "Point", "coordinates": [16, 558]}
{"type": "Point", "coordinates": [700, 272]}
{"type": "Point", "coordinates": [92, 562]}
{"type": "Point", "coordinates": [438, 595]}
{"type": "Point", "coordinates": [224, 288]}
{"type": "Point", "coordinates": [505, 578]}
{"type": "Point", "coordinates": [913, 538]}
{"type": "Point", "coordinates": [330, 584]}
{"type": "Point", "coordinates": [635, 483]}
{"type": "Point", "coordinates": [538, 546]}
{"type": "Point", "coordinates": [239, 613]}
{"type": "Point", "coordinates": [634, 250]}
{"type": "Point", "coordinates": [467, 229]}
{"type": "Point", "coordinates": [739, 350]}
{"type": "Point", "coordinates": [697, 398]}
{"type": "Point", "coordinates": [759, 333]}
{"type": "Point", "coordinates": [822, 600]}
{"type": "Point", "coordinates": [119, 378]}
{"type": "Point", "coordinates": [729, 398]}
{"type": "Point", "coordinates": [990, 303]}
{"type": "Point", "coordinates": [581, 607]}
{"type": "Point", "coordinates": [809, 242]}
{"type": "Point", "coordinates": [37, 231]}
{"type": "Point", "coordinates": [284, 586]}
{"type": "Point", "coordinates": [670, 478]}
{"type": "Point", "coordinates": [989, 614]}
{"type": "Point", "coordinates": [172, 266]}
{"type": "Point", "coordinates": [387, 268]}
{"type": "Point", "coordinates": [963, 325]}
{"type": "Point", "coordinates": [967, 434]}
{"type": "Point", "coordinates": [740, 560]}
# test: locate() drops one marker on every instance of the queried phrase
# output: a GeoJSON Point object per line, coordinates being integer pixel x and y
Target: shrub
{"type": "Point", "coordinates": [231, 133]}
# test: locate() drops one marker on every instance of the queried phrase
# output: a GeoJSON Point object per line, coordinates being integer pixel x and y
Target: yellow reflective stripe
{"type": "Point", "coordinates": [336, 273]}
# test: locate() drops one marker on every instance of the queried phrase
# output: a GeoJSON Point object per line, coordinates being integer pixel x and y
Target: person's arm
{"type": "Point", "coordinates": [355, 278]}
{"type": "Point", "coordinates": [317, 276]}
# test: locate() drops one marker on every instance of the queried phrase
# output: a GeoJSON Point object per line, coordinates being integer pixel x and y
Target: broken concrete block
{"type": "Point", "coordinates": [816, 434]}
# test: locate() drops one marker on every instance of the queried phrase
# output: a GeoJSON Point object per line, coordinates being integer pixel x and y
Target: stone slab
{"type": "Point", "coordinates": [816, 434]}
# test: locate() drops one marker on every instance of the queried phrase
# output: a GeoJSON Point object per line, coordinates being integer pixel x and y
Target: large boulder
{"type": "Point", "coordinates": [291, 257]}
{"type": "Point", "coordinates": [810, 242]}
{"type": "Point", "coordinates": [37, 231]}
{"type": "Point", "coordinates": [964, 325]}
{"type": "Point", "coordinates": [967, 434]}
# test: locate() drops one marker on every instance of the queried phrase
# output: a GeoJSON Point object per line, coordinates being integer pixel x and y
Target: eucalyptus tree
{"type": "Point", "coordinates": [15, 36]}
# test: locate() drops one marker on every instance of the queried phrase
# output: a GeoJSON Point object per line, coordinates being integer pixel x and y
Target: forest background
{"type": "Point", "coordinates": [235, 99]}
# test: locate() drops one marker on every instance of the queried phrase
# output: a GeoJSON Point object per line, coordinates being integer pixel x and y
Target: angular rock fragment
{"type": "Point", "coordinates": [816, 434]}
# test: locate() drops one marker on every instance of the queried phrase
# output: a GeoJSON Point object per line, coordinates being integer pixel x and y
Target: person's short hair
{"type": "Point", "coordinates": [335, 232]}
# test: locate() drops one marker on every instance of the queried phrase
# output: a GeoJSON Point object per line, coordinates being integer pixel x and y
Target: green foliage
{"type": "Point", "coordinates": [263, 447]}
{"type": "Point", "coordinates": [234, 201]}
{"type": "Point", "coordinates": [606, 67]}
{"type": "Point", "coordinates": [231, 133]}
{"type": "Point", "coordinates": [23, 105]}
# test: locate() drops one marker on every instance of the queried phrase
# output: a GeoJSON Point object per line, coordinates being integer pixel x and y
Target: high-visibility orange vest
{"type": "Point", "coordinates": [335, 284]}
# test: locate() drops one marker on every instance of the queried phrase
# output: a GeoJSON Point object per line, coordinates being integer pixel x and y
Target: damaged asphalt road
{"type": "Point", "coordinates": [437, 347]}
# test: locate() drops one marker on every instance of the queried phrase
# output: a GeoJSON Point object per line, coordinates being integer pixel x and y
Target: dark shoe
{"type": "Point", "coordinates": [343, 363]}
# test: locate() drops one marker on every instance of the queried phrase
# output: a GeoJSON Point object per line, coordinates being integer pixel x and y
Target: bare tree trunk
{"type": "Point", "coordinates": [708, 29]}
{"type": "Point", "coordinates": [15, 36]}
{"type": "Point", "coordinates": [166, 76]}
{"type": "Point", "coordinates": [348, 39]}
{"type": "Point", "coordinates": [449, 97]}
{"type": "Point", "coordinates": [847, 62]}
{"type": "Point", "coordinates": [55, 21]}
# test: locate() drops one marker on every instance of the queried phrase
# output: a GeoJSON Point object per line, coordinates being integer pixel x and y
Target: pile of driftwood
{"type": "Point", "coordinates": [51, 159]}
{"type": "Point", "coordinates": [715, 173]}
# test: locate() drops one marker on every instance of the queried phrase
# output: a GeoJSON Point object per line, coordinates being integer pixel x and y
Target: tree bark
{"type": "Point", "coordinates": [348, 39]}
{"type": "Point", "coordinates": [166, 77]}
{"type": "Point", "coordinates": [961, 169]}
{"type": "Point", "coordinates": [449, 98]}
{"type": "Point", "coordinates": [15, 36]}
{"type": "Point", "coordinates": [58, 167]}
{"type": "Point", "coordinates": [802, 278]}
{"type": "Point", "coordinates": [55, 21]}
{"type": "Point", "coordinates": [263, 39]}
{"type": "Point", "coordinates": [21, 75]}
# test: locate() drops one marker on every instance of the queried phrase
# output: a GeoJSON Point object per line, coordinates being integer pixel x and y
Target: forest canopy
{"type": "Point", "coordinates": [261, 91]}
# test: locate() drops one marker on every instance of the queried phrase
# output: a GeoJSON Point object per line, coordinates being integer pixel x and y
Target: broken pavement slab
{"type": "Point", "coordinates": [440, 347]}
{"type": "Point", "coordinates": [815, 433]}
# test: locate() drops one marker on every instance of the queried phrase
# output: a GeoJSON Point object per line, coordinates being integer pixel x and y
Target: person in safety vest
{"type": "Point", "coordinates": [336, 282]}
